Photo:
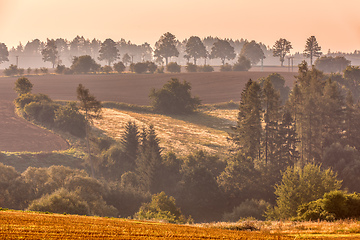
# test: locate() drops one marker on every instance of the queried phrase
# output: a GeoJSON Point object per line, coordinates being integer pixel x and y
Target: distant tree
{"type": "Point", "coordinates": [140, 67]}
{"type": "Point", "coordinates": [108, 51]}
{"type": "Point", "coordinates": [92, 110]}
{"type": "Point", "coordinates": [126, 59]}
{"type": "Point", "coordinates": [84, 64]}
{"type": "Point", "coordinates": [223, 50]}
{"type": "Point", "coordinates": [312, 49]}
{"type": "Point", "coordinates": [151, 67]}
{"type": "Point", "coordinates": [191, 67]}
{"type": "Point", "coordinates": [4, 53]}
{"type": "Point", "coordinates": [166, 47]}
{"type": "Point", "coordinates": [174, 97]}
{"type": "Point", "coordinates": [107, 69]}
{"type": "Point", "coordinates": [332, 64]}
{"type": "Point", "coordinates": [23, 86]}
{"type": "Point", "coordinates": [253, 52]}
{"type": "Point", "coordinates": [278, 82]}
{"type": "Point", "coordinates": [12, 70]}
{"type": "Point", "coordinates": [50, 52]}
{"type": "Point", "coordinates": [281, 48]}
{"type": "Point", "coordinates": [119, 67]}
{"type": "Point", "coordinates": [243, 64]}
{"type": "Point", "coordinates": [195, 48]}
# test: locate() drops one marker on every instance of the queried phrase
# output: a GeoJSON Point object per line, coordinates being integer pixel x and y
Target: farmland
{"type": "Point", "coordinates": [32, 225]}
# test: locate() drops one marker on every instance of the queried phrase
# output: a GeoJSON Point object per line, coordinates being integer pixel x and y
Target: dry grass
{"type": "Point", "coordinates": [205, 130]}
{"type": "Point", "coordinates": [22, 225]}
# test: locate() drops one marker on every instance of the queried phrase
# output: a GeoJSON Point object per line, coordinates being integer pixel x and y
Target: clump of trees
{"type": "Point", "coordinates": [332, 64]}
{"type": "Point", "coordinates": [174, 97]}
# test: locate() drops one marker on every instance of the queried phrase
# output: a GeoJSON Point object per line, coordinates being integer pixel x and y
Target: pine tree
{"type": "Point", "coordinates": [247, 133]}
{"type": "Point", "coordinates": [130, 143]}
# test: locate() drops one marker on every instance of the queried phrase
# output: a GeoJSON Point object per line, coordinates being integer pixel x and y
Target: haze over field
{"type": "Point", "coordinates": [335, 24]}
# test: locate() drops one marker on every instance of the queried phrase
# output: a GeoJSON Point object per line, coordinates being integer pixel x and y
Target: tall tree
{"type": "Point", "coordinates": [4, 53]}
{"type": "Point", "coordinates": [247, 133]}
{"type": "Point", "coordinates": [126, 59]}
{"type": "Point", "coordinates": [50, 52]}
{"type": "Point", "coordinates": [195, 48]}
{"type": "Point", "coordinates": [281, 48]}
{"type": "Point", "coordinates": [312, 49]}
{"type": "Point", "coordinates": [166, 47]}
{"type": "Point", "coordinates": [223, 50]}
{"type": "Point", "coordinates": [253, 52]}
{"type": "Point", "coordinates": [108, 51]}
{"type": "Point", "coordinates": [92, 110]}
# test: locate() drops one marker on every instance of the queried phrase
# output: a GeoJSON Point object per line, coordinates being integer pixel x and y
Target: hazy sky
{"type": "Point", "coordinates": [336, 24]}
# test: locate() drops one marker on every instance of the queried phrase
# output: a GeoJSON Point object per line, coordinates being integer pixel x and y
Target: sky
{"type": "Point", "coordinates": [334, 23]}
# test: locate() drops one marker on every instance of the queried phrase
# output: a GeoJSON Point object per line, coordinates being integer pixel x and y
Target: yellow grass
{"type": "Point", "coordinates": [22, 225]}
{"type": "Point", "coordinates": [206, 130]}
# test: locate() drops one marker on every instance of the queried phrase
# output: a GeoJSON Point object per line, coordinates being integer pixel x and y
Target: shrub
{"type": "Point", "coordinates": [23, 86]}
{"type": "Point", "coordinates": [160, 69]}
{"type": "Point", "coordinates": [84, 64]}
{"type": "Point", "coordinates": [334, 205]}
{"type": "Point", "coordinates": [140, 67]}
{"type": "Point", "coordinates": [43, 112]}
{"type": "Point", "coordinates": [69, 119]}
{"type": "Point", "coordinates": [61, 201]}
{"type": "Point", "coordinates": [60, 69]}
{"type": "Point", "coordinates": [226, 68]}
{"type": "Point", "coordinates": [243, 64]}
{"type": "Point", "coordinates": [205, 68]}
{"type": "Point", "coordinates": [190, 67]}
{"type": "Point", "coordinates": [27, 98]}
{"type": "Point", "coordinates": [119, 67]}
{"type": "Point", "coordinates": [12, 70]}
{"type": "Point", "coordinates": [161, 207]}
{"type": "Point", "coordinates": [107, 69]}
{"type": "Point", "coordinates": [152, 67]}
{"type": "Point", "coordinates": [174, 97]}
{"type": "Point", "coordinates": [44, 70]}
{"type": "Point", "coordinates": [249, 208]}
{"type": "Point", "coordinates": [173, 67]}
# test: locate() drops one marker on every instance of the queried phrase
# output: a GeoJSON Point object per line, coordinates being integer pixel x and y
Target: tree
{"type": "Point", "coordinates": [332, 64]}
{"type": "Point", "coordinates": [223, 50]}
{"type": "Point", "coordinates": [23, 86]}
{"type": "Point", "coordinates": [50, 52]}
{"type": "Point", "coordinates": [302, 185]}
{"type": "Point", "coordinates": [108, 51]}
{"type": "Point", "coordinates": [4, 53]}
{"type": "Point", "coordinates": [312, 49]}
{"type": "Point", "coordinates": [173, 67]}
{"type": "Point", "coordinates": [84, 64]}
{"type": "Point", "coordinates": [92, 110]}
{"type": "Point", "coordinates": [166, 47]}
{"type": "Point", "coordinates": [281, 48]}
{"type": "Point", "coordinates": [278, 82]}
{"type": "Point", "coordinates": [253, 52]}
{"type": "Point", "coordinates": [247, 133]}
{"type": "Point", "coordinates": [126, 59]}
{"type": "Point", "coordinates": [195, 48]}
{"type": "Point", "coordinates": [174, 97]}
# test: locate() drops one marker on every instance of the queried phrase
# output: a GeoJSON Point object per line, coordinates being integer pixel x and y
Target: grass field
{"type": "Point", "coordinates": [183, 134]}
{"type": "Point", "coordinates": [32, 225]}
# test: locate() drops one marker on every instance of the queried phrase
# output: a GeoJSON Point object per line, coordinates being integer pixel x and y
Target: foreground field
{"type": "Point", "coordinates": [31, 225]}
{"type": "Point", "coordinates": [205, 130]}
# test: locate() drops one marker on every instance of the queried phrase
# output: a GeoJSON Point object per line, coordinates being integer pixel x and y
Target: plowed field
{"type": "Point", "coordinates": [18, 135]}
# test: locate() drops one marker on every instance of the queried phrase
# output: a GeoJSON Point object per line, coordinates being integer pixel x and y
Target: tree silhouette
{"type": "Point", "coordinates": [223, 50]}
{"type": "Point", "coordinates": [166, 47]}
{"type": "Point", "coordinates": [312, 49]}
{"type": "Point", "coordinates": [108, 51]}
{"type": "Point", "coordinates": [4, 53]}
{"type": "Point", "coordinates": [195, 48]}
{"type": "Point", "coordinates": [253, 52]}
{"type": "Point", "coordinates": [281, 48]}
{"type": "Point", "coordinates": [50, 52]}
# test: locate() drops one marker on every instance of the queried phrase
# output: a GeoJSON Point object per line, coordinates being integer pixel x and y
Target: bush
{"type": "Point", "coordinates": [249, 208]}
{"type": "Point", "coordinates": [334, 205]}
{"type": "Point", "coordinates": [226, 68]}
{"type": "Point", "coordinates": [13, 70]}
{"type": "Point", "coordinates": [23, 86]}
{"type": "Point", "coordinates": [173, 67]}
{"type": "Point", "coordinates": [84, 64]}
{"type": "Point", "coordinates": [119, 67]}
{"type": "Point", "coordinates": [44, 70]}
{"type": "Point", "coordinates": [60, 69]}
{"type": "Point", "coordinates": [43, 112]}
{"type": "Point", "coordinates": [205, 68]}
{"type": "Point", "coordinates": [61, 201]}
{"type": "Point", "coordinates": [140, 67]}
{"type": "Point", "coordinates": [163, 208]}
{"type": "Point", "coordinates": [152, 67]}
{"type": "Point", "coordinates": [160, 69]}
{"type": "Point", "coordinates": [27, 98]}
{"type": "Point", "coordinates": [174, 97]}
{"type": "Point", "coordinates": [69, 119]}
{"type": "Point", "coordinates": [243, 64]}
{"type": "Point", "coordinates": [107, 69]}
{"type": "Point", "coordinates": [190, 67]}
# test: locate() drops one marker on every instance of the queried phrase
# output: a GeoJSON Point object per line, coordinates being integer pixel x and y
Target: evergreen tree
{"type": "Point", "coordinates": [247, 133]}
{"type": "Point", "coordinates": [130, 142]}
{"type": "Point", "coordinates": [351, 124]}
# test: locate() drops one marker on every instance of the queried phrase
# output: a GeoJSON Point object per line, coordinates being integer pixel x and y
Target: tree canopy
{"type": "Point", "coordinates": [195, 48]}
{"type": "Point", "coordinates": [4, 53]}
{"type": "Point", "coordinates": [253, 52]}
{"type": "Point", "coordinates": [223, 50]}
{"type": "Point", "coordinates": [108, 51]}
{"type": "Point", "coordinates": [165, 47]}
{"type": "Point", "coordinates": [281, 48]}
{"type": "Point", "coordinates": [312, 49]}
